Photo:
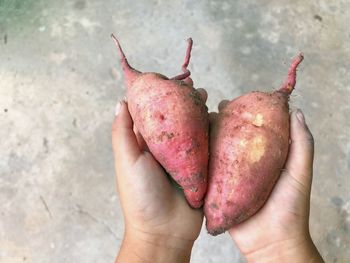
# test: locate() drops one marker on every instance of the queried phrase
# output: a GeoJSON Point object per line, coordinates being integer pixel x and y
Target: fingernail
{"type": "Point", "coordinates": [125, 99]}
{"type": "Point", "coordinates": [300, 116]}
{"type": "Point", "coordinates": [117, 108]}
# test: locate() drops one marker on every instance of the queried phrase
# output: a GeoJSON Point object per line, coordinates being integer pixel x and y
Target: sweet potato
{"type": "Point", "coordinates": [248, 148]}
{"type": "Point", "coordinates": [173, 120]}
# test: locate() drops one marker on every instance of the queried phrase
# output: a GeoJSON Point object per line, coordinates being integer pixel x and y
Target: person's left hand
{"type": "Point", "coordinates": [159, 224]}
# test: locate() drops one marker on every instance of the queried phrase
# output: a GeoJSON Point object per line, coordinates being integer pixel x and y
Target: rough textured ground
{"type": "Point", "coordinates": [60, 81]}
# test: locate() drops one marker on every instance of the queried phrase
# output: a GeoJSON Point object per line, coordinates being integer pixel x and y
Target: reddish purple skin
{"type": "Point", "coordinates": [173, 120]}
{"type": "Point", "coordinates": [248, 148]}
{"type": "Point", "coordinates": [247, 154]}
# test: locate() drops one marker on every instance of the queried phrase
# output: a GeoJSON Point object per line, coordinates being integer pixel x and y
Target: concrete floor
{"type": "Point", "coordinates": [60, 80]}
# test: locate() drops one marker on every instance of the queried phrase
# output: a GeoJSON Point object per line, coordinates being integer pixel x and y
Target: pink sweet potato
{"type": "Point", "coordinates": [173, 120]}
{"type": "Point", "coordinates": [248, 148]}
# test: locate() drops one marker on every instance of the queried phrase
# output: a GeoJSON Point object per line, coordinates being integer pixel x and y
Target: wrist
{"type": "Point", "coordinates": [300, 249]}
{"type": "Point", "coordinates": [140, 246]}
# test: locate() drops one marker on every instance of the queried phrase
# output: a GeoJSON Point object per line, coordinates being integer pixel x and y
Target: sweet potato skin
{"type": "Point", "coordinates": [248, 149]}
{"type": "Point", "coordinates": [173, 119]}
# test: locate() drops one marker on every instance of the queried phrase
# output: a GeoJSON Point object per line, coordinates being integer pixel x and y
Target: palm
{"type": "Point", "coordinates": [150, 201]}
{"type": "Point", "coordinates": [281, 213]}
{"type": "Point", "coordinates": [285, 215]}
{"type": "Point", "coordinates": [159, 224]}
{"type": "Point", "coordinates": [153, 203]}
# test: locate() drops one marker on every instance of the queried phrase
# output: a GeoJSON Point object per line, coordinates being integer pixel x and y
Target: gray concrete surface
{"type": "Point", "coordinates": [60, 80]}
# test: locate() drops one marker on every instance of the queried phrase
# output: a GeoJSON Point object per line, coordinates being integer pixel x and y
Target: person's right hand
{"type": "Point", "coordinates": [160, 226]}
{"type": "Point", "coordinates": [279, 232]}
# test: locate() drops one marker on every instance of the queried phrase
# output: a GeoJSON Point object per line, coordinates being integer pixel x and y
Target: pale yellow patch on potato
{"type": "Point", "coordinates": [229, 195]}
{"type": "Point", "coordinates": [232, 180]}
{"type": "Point", "coordinates": [256, 148]}
{"type": "Point", "coordinates": [148, 125]}
{"type": "Point", "coordinates": [243, 143]}
{"type": "Point", "coordinates": [258, 120]}
{"type": "Point", "coordinates": [147, 114]}
{"type": "Point", "coordinates": [147, 119]}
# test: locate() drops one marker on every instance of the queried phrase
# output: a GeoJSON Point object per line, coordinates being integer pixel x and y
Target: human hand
{"type": "Point", "coordinates": [279, 232]}
{"type": "Point", "coordinates": [159, 224]}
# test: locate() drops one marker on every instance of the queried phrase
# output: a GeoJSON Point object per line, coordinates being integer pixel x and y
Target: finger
{"type": "Point", "coordinates": [188, 81]}
{"type": "Point", "coordinates": [124, 142]}
{"type": "Point", "coordinates": [223, 104]}
{"type": "Point", "coordinates": [300, 158]}
{"type": "Point", "coordinates": [140, 140]}
{"type": "Point", "coordinates": [203, 93]}
{"type": "Point", "coordinates": [213, 128]}
{"type": "Point", "coordinates": [212, 117]}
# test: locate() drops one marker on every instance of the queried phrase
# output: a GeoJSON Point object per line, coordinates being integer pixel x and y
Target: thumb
{"type": "Point", "coordinates": [301, 154]}
{"type": "Point", "coordinates": [125, 147]}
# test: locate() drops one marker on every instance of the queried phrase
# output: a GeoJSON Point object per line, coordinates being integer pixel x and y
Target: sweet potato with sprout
{"type": "Point", "coordinates": [173, 119]}
{"type": "Point", "coordinates": [248, 148]}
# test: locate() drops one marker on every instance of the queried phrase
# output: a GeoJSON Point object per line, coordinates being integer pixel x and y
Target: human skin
{"type": "Point", "coordinates": [160, 226]}
{"type": "Point", "coordinates": [279, 232]}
